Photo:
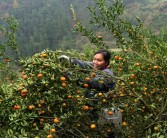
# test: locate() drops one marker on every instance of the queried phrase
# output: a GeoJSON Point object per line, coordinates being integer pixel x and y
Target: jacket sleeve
{"type": "Point", "coordinates": [102, 84]}
{"type": "Point", "coordinates": [81, 64]}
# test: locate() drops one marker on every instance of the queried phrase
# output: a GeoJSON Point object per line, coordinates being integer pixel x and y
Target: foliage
{"type": "Point", "coordinates": [140, 68]}
{"type": "Point", "coordinates": [44, 98]}
{"type": "Point", "coordinates": [47, 101]}
{"type": "Point", "coordinates": [8, 47]}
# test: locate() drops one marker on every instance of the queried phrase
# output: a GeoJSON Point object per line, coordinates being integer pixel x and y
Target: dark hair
{"type": "Point", "coordinates": [106, 54]}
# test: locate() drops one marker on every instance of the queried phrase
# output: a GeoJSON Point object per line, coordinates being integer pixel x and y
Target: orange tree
{"type": "Point", "coordinates": [8, 47]}
{"type": "Point", "coordinates": [140, 69]}
{"type": "Point", "coordinates": [46, 100]}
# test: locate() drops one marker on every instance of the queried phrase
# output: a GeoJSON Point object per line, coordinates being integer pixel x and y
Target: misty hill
{"type": "Point", "coordinates": [47, 24]}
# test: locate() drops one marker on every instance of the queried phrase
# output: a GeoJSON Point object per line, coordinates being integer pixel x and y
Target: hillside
{"type": "Point", "coordinates": [47, 24]}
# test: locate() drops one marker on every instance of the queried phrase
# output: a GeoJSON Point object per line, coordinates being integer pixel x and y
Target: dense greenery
{"type": "Point", "coordinates": [43, 102]}
{"type": "Point", "coordinates": [47, 24]}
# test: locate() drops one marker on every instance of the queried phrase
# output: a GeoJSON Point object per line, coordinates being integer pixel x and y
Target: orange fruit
{"type": "Point", "coordinates": [121, 110]}
{"type": "Point", "coordinates": [110, 112]}
{"type": "Point", "coordinates": [116, 57]}
{"type": "Point", "coordinates": [119, 58]}
{"type": "Point", "coordinates": [16, 107]}
{"type": "Point", "coordinates": [99, 37]}
{"type": "Point", "coordinates": [70, 96]}
{"type": "Point", "coordinates": [62, 78]}
{"type": "Point", "coordinates": [156, 128]}
{"type": "Point", "coordinates": [100, 94]}
{"type": "Point", "coordinates": [93, 75]}
{"type": "Point", "coordinates": [43, 55]}
{"type": "Point", "coordinates": [21, 84]}
{"type": "Point", "coordinates": [93, 126]}
{"type": "Point", "coordinates": [63, 84]}
{"type": "Point", "coordinates": [137, 64]}
{"type": "Point", "coordinates": [56, 120]}
{"type": "Point", "coordinates": [34, 124]}
{"type": "Point", "coordinates": [124, 123]}
{"type": "Point", "coordinates": [42, 120]}
{"type": "Point", "coordinates": [85, 107]}
{"type": "Point", "coordinates": [87, 79]}
{"type": "Point", "coordinates": [155, 67]}
{"type": "Point", "coordinates": [25, 77]}
{"type": "Point", "coordinates": [23, 94]}
{"type": "Point", "coordinates": [24, 91]}
{"type": "Point", "coordinates": [40, 75]}
{"type": "Point", "coordinates": [86, 85]}
{"type": "Point", "coordinates": [49, 136]}
{"type": "Point", "coordinates": [30, 107]}
{"type": "Point", "coordinates": [53, 130]}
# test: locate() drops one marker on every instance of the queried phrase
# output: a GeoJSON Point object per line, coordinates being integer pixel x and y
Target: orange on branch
{"type": "Point", "coordinates": [93, 75]}
{"type": "Point", "coordinates": [40, 75]}
{"type": "Point", "coordinates": [25, 77]}
{"type": "Point", "coordinates": [110, 112]}
{"type": "Point", "coordinates": [62, 78]}
{"type": "Point", "coordinates": [16, 107]}
{"type": "Point", "coordinates": [53, 130]}
{"type": "Point", "coordinates": [86, 85]}
{"type": "Point", "coordinates": [49, 136]}
{"type": "Point", "coordinates": [85, 107]}
{"type": "Point", "coordinates": [87, 79]}
{"type": "Point", "coordinates": [56, 120]}
{"type": "Point", "coordinates": [64, 84]}
{"type": "Point", "coordinates": [124, 123]}
{"type": "Point", "coordinates": [93, 126]}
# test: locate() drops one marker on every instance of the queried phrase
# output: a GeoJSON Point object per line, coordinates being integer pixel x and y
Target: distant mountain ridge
{"type": "Point", "coordinates": [48, 23]}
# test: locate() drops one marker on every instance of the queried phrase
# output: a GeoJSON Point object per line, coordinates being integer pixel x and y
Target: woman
{"type": "Point", "coordinates": [101, 61]}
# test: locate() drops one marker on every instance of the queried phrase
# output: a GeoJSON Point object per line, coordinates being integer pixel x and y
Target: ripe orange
{"type": "Point", "coordinates": [34, 124]}
{"type": "Point", "coordinates": [56, 120]}
{"type": "Point", "coordinates": [110, 112]}
{"type": "Point", "coordinates": [24, 91]}
{"type": "Point", "coordinates": [30, 107]}
{"type": "Point", "coordinates": [53, 130]}
{"type": "Point", "coordinates": [100, 94]}
{"type": "Point", "coordinates": [93, 126]}
{"type": "Point", "coordinates": [119, 58]}
{"type": "Point", "coordinates": [62, 78]}
{"type": "Point", "coordinates": [155, 67]}
{"type": "Point", "coordinates": [42, 120]}
{"type": "Point", "coordinates": [16, 107]}
{"type": "Point", "coordinates": [21, 84]}
{"type": "Point", "coordinates": [40, 75]}
{"type": "Point", "coordinates": [85, 107]}
{"type": "Point", "coordinates": [137, 64]}
{"type": "Point", "coordinates": [63, 84]}
{"type": "Point", "coordinates": [86, 85]}
{"type": "Point", "coordinates": [43, 55]}
{"type": "Point", "coordinates": [23, 94]}
{"type": "Point", "coordinates": [116, 57]}
{"type": "Point", "coordinates": [87, 79]}
{"type": "Point", "coordinates": [93, 75]}
{"type": "Point", "coordinates": [70, 96]}
{"type": "Point", "coordinates": [99, 37]}
{"type": "Point", "coordinates": [124, 123]}
{"type": "Point", "coordinates": [49, 136]}
{"type": "Point", "coordinates": [25, 77]}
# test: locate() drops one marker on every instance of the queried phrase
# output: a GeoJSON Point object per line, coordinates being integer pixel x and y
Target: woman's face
{"type": "Point", "coordinates": [99, 62]}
